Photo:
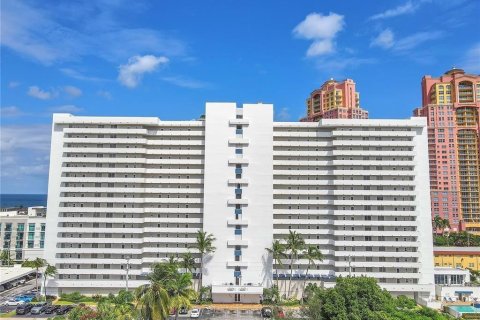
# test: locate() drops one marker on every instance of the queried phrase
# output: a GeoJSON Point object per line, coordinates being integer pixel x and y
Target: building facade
{"type": "Point", "coordinates": [22, 232]}
{"type": "Point", "coordinates": [451, 105]}
{"type": "Point", "coordinates": [335, 100]}
{"type": "Point", "coordinates": [141, 188]}
{"type": "Point", "coordinates": [457, 257]}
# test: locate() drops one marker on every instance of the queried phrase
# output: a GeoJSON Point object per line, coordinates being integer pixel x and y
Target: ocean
{"type": "Point", "coordinates": [24, 200]}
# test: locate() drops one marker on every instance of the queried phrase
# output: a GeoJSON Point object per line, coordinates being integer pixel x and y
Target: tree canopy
{"type": "Point", "coordinates": [360, 298]}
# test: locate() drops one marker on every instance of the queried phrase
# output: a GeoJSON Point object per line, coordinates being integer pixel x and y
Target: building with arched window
{"type": "Point", "coordinates": [334, 100]}
{"type": "Point", "coordinates": [451, 103]}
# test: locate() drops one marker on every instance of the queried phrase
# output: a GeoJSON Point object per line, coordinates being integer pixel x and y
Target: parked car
{"type": "Point", "coordinates": [195, 313]}
{"type": "Point", "coordinates": [24, 308]}
{"type": "Point", "coordinates": [14, 302]}
{"type": "Point", "coordinates": [39, 308]}
{"type": "Point", "coordinates": [183, 310]}
{"type": "Point", "coordinates": [64, 309]}
{"type": "Point", "coordinates": [25, 298]}
{"type": "Point", "coordinates": [51, 309]}
{"type": "Point", "coordinates": [266, 312]}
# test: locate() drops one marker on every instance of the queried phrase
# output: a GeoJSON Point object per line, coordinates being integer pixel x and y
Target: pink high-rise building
{"type": "Point", "coordinates": [451, 103]}
{"type": "Point", "coordinates": [335, 100]}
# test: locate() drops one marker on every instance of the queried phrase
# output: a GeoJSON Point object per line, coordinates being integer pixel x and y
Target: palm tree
{"type": "Point", "coordinates": [204, 245]}
{"type": "Point", "coordinates": [437, 223]}
{"type": "Point", "coordinates": [152, 301]}
{"type": "Point", "coordinates": [162, 272]}
{"type": "Point", "coordinates": [188, 262]}
{"type": "Point", "coordinates": [37, 264]}
{"type": "Point", "coordinates": [312, 254]}
{"type": "Point", "coordinates": [172, 260]}
{"type": "Point", "coordinates": [278, 253]}
{"type": "Point", "coordinates": [50, 271]}
{"type": "Point", "coordinates": [295, 244]}
{"type": "Point", "coordinates": [180, 291]}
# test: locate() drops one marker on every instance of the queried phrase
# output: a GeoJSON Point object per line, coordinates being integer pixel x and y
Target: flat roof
{"type": "Point", "coordinates": [11, 273]}
{"type": "Point", "coordinates": [457, 250]}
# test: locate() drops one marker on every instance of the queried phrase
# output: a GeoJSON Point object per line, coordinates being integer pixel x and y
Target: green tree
{"type": "Point", "coordinates": [360, 298]}
{"type": "Point", "coordinates": [50, 271]}
{"type": "Point", "coordinates": [204, 245]}
{"type": "Point", "coordinates": [312, 254]}
{"type": "Point", "coordinates": [180, 291]}
{"type": "Point", "coordinates": [36, 264]}
{"type": "Point", "coordinates": [5, 257]}
{"type": "Point", "coordinates": [295, 244]}
{"type": "Point", "coordinates": [152, 301]}
{"type": "Point", "coordinates": [277, 250]}
{"type": "Point", "coordinates": [163, 272]}
{"type": "Point", "coordinates": [188, 262]}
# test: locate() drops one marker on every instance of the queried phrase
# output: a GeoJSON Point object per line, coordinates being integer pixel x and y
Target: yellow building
{"type": "Point", "coordinates": [457, 257]}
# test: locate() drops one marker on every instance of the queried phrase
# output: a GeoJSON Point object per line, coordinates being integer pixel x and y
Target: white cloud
{"type": "Point", "coordinates": [131, 74]}
{"type": "Point", "coordinates": [414, 40]}
{"type": "Point", "coordinates": [13, 84]}
{"type": "Point", "coordinates": [24, 158]}
{"type": "Point", "coordinates": [320, 47]}
{"type": "Point", "coordinates": [105, 94]}
{"type": "Point", "coordinates": [406, 8]}
{"type": "Point", "coordinates": [78, 75]}
{"type": "Point", "coordinates": [29, 138]}
{"type": "Point", "coordinates": [10, 112]}
{"type": "Point", "coordinates": [384, 40]}
{"type": "Point", "coordinates": [471, 61]}
{"type": "Point", "coordinates": [68, 108]}
{"type": "Point", "coordinates": [322, 30]}
{"type": "Point", "coordinates": [42, 31]}
{"type": "Point", "coordinates": [38, 93]}
{"type": "Point", "coordinates": [283, 115]}
{"type": "Point", "coordinates": [72, 91]}
{"type": "Point", "coordinates": [185, 82]}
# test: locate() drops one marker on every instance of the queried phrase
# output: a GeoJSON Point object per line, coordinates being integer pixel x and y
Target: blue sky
{"type": "Point", "coordinates": [167, 58]}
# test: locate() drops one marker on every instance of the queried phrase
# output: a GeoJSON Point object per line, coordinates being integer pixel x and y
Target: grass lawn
{"type": "Point", "coordinates": [8, 315]}
{"type": "Point", "coordinates": [62, 303]}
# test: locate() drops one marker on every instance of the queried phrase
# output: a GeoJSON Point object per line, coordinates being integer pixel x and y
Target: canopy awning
{"type": "Point", "coordinates": [233, 289]}
{"type": "Point", "coordinates": [464, 292]}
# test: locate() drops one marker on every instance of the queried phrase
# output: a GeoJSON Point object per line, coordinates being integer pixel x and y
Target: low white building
{"type": "Point", "coordinates": [453, 284]}
{"type": "Point", "coordinates": [22, 232]}
{"type": "Point", "coordinates": [140, 189]}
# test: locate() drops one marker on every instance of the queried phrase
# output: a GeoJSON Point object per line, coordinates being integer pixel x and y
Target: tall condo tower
{"type": "Point", "coordinates": [334, 100]}
{"type": "Point", "coordinates": [451, 105]}
{"type": "Point", "coordinates": [132, 190]}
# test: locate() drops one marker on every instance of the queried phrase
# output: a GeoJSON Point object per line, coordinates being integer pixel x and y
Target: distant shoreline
{"type": "Point", "coordinates": [22, 200]}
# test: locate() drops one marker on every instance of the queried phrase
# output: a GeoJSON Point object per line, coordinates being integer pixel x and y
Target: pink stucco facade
{"type": "Point", "coordinates": [451, 104]}
{"type": "Point", "coordinates": [334, 100]}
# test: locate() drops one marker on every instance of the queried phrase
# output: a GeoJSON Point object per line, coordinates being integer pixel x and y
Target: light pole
{"type": "Point", "coordinates": [128, 269]}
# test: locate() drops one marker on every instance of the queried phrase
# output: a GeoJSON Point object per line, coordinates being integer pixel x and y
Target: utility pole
{"type": "Point", "coordinates": [128, 269]}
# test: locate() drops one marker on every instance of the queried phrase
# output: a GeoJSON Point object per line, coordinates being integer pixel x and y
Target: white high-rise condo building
{"type": "Point", "coordinates": [138, 190]}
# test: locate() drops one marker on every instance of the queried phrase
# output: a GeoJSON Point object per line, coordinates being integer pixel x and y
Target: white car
{"type": "Point", "coordinates": [13, 302]}
{"type": "Point", "coordinates": [195, 313]}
